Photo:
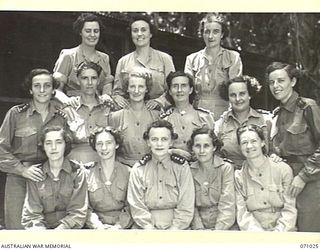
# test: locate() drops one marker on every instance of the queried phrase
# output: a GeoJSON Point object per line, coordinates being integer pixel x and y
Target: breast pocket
{"type": "Point", "coordinates": [276, 195]}
{"type": "Point", "coordinates": [121, 192]}
{"type": "Point", "coordinates": [95, 193]}
{"type": "Point", "coordinates": [65, 193]}
{"type": "Point", "coordinates": [46, 196]}
{"type": "Point", "coordinates": [299, 139]}
{"type": "Point", "coordinates": [172, 191]}
{"type": "Point", "coordinates": [214, 194]}
{"type": "Point", "coordinates": [25, 140]}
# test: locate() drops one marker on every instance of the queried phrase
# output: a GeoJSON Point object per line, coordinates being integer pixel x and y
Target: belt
{"type": "Point", "coordinates": [268, 210]}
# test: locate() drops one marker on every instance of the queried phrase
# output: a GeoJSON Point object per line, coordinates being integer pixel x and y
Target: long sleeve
{"type": "Point", "coordinates": [117, 87]}
{"type": "Point", "coordinates": [183, 213]}
{"type": "Point", "coordinates": [32, 214]}
{"type": "Point", "coordinates": [196, 223]}
{"type": "Point", "coordinates": [78, 205]}
{"type": "Point", "coordinates": [188, 65]}
{"type": "Point", "coordinates": [245, 219]}
{"type": "Point", "coordinates": [226, 207]}
{"type": "Point", "coordinates": [140, 212]}
{"type": "Point", "coordinates": [93, 221]}
{"type": "Point", "coordinates": [236, 68]}
{"type": "Point", "coordinates": [8, 162]}
{"type": "Point", "coordinates": [288, 217]}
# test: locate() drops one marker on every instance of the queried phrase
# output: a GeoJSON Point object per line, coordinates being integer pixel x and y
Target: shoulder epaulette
{"type": "Point", "coordinates": [108, 104]}
{"type": "Point", "coordinates": [302, 104]}
{"type": "Point", "coordinates": [61, 113]}
{"type": "Point", "coordinates": [166, 113]}
{"type": "Point", "coordinates": [145, 159]}
{"type": "Point", "coordinates": [275, 111]}
{"type": "Point", "coordinates": [203, 110]}
{"type": "Point", "coordinates": [263, 111]}
{"type": "Point", "coordinates": [228, 160]}
{"type": "Point", "coordinates": [178, 159]}
{"type": "Point", "coordinates": [23, 107]}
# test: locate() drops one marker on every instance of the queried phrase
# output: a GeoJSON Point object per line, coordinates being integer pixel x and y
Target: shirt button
{"type": "Point", "coordinates": [90, 126]}
{"type": "Point", "coordinates": [265, 203]}
{"type": "Point", "coordinates": [183, 127]}
{"type": "Point", "coordinates": [260, 175]}
{"type": "Point", "coordinates": [138, 123]}
{"type": "Point", "coordinates": [89, 114]}
{"type": "Point", "coordinates": [262, 189]}
{"type": "Point", "coordinates": [184, 142]}
{"type": "Point", "coordinates": [160, 181]}
{"type": "Point", "coordinates": [160, 197]}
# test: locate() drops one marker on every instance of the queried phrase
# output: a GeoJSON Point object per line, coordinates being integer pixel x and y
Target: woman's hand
{"type": "Point", "coordinates": [74, 101]}
{"type": "Point", "coordinates": [122, 102]}
{"type": "Point", "coordinates": [275, 158]}
{"type": "Point", "coordinates": [185, 154]}
{"type": "Point", "coordinates": [152, 104]}
{"type": "Point", "coordinates": [297, 186]}
{"type": "Point", "coordinates": [33, 173]}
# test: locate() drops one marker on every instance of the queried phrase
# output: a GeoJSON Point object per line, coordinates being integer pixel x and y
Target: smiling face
{"type": "Point", "coordinates": [280, 84]}
{"type": "Point", "coordinates": [159, 141]}
{"type": "Point", "coordinates": [180, 89]}
{"type": "Point", "coordinates": [239, 96]}
{"type": "Point", "coordinates": [212, 34]}
{"type": "Point", "coordinates": [106, 145]}
{"type": "Point", "coordinates": [41, 88]}
{"type": "Point", "coordinates": [203, 148]}
{"type": "Point", "coordinates": [140, 33]}
{"type": "Point", "coordinates": [54, 145]}
{"type": "Point", "coordinates": [89, 81]}
{"type": "Point", "coordinates": [137, 89]}
{"type": "Point", "coordinates": [251, 144]}
{"type": "Point", "coordinates": [90, 33]}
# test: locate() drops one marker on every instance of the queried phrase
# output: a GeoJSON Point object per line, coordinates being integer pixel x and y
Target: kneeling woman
{"type": "Point", "coordinates": [108, 183]}
{"type": "Point", "coordinates": [60, 201]}
{"type": "Point", "coordinates": [263, 202]}
{"type": "Point", "coordinates": [161, 191]}
{"type": "Point", "coordinates": [214, 184]}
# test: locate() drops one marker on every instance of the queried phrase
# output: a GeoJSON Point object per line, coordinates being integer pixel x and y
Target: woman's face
{"type": "Point", "coordinates": [140, 33]}
{"type": "Point", "coordinates": [42, 88]}
{"type": "Point", "coordinates": [239, 97]}
{"type": "Point", "coordinates": [159, 141]}
{"type": "Point", "coordinates": [90, 33]}
{"type": "Point", "coordinates": [180, 89]}
{"type": "Point", "coordinates": [212, 34]}
{"type": "Point", "coordinates": [89, 81]}
{"type": "Point", "coordinates": [203, 148]}
{"type": "Point", "coordinates": [54, 145]}
{"type": "Point", "coordinates": [251, 144]}
{"type": "Point", "coordinates": [106, 145]}
{"type": "Point", "coordinates": [280, 85]}
{"type": "Point", "coordinates": [137, 89]}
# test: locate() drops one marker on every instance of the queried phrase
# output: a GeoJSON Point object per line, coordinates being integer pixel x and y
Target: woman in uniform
{"type": "Point", "coordinates": [213, 65]}
{"type": "Point", "coordinates": [214, 184]}
{"type": "Point", "coordinates": [108, 183]}
{"type": "Point", "coordinates": [60, 200]}
{"type": "Point", "coordinates": [262, 185]}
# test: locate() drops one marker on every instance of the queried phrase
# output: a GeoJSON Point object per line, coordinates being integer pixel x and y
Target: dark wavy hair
{"type": "Point", "coordinates": [88, 65]}
{"type": "Point", "coordinates": [178, 73]}
{"type": "Point", "coordinates": [253, 86]}
{"type": "Point", "coordinates": [292, 71]}
{"type": "Point", "coordinates": [160, 124]}
{"type": "Point", "coordinates": [98, 130]}
{"type": "Point", "coordinates": [86, 17]}
{"type": "Point", "coordinates": [139, 17]}
{"type": "Point", "coordinates": [214, 17]}
{"type": "Point", "coordinates": [216, 142]}
{"type": "Point", "coordinates": [254, 128]}
{"type": "Point", "coordinates": [64, 132]}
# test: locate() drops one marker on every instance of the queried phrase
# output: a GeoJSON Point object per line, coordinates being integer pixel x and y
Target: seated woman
{"type": "Point", "coordinates": [239, 91]}
{"type": "Point", "coordinates": [183, 116]}
{"type": "Point", "coordinates": [214, 184]}
{"type": "Point", "coordinates": [108, 183]}
{"type": "Point", "coordinates": [262, 197]}
{"type": "Point", "coordinates": [88, 26]}
{"type": "Point", "coordinates": [134, 121]}
{"type": "Point", "coordinates": [161, 190]}
{"type": "Point", "coordinates": [60, 200]}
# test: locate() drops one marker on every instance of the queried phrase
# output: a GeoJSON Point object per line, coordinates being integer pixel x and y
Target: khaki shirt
{"type": "Point", "coordinates": [208, 76]}
{"type": "Point", "coordinates": [215, 195]}
{"type": "Point", "coordinates": [159, 63]}
{"type": "Point", "coordinates": [161, 194]}
{"type": "Point", "coordinates": [186, 121]}
{"type": "Point", "coordinates": [226, 129]}
{"type": "Point", "coordinates": [20, 136]}
{"type": "Point", "coordinates": [108, 198]}
{"type": "Point", "coordinates": [51, 202]}
{"type": "Point", "coordinates": [263, 203]}
{"type": "Point", "coordinates": [132, 128]}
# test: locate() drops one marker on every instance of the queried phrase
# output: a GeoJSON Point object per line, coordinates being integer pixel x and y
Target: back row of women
{"type": "Point", "coordinates": [169, 126]}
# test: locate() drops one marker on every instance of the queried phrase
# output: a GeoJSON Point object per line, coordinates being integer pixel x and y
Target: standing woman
{"type": "Point", "coordinates": [213, 65]}
{"type": "Point", "coordinates": [89, 27]}
{"type": "Point", "coordinates": [262, 185]}
{"type": "Point", "coordinates": [239, 91]}
{"type": "Point", "coordinates": [134, 121]}
{"type": "Point", "coordinates": [19, 134]}
{"type": "Point", "coordinates": [296, 135]}
{"type": "Point", "coordinates": [214, 184]}
{"type": "Point", "coordinates": [60, 200]}
{"type": "Point", "coordinates": [160, 64]}
{"type": "Point", "coordinates": [108, 183]}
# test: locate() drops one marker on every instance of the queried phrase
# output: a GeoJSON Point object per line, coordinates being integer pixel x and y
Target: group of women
{"type": "Point", "coordinates": [158, 148]}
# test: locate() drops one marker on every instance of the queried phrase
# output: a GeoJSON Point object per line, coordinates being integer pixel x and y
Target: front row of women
{"type": "Point", "coordinates": [162, 191]}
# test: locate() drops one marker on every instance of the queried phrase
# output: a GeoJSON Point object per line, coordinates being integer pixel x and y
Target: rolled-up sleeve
{"type": "Point", "coordinates": [236, 67]}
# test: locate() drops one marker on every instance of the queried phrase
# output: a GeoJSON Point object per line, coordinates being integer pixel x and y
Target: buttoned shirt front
{"type": "Point", "coordinates": [263, 202]}
{"type": "Point", "coordinates": [215, 195]}
{"type": "Point", "coordinates": [57, 200]}
{"type": "Point", "coordinates": [226, 129]}
{"type": "Point", "coordinates": [161, 194]}
{"type": "Point", "coordinates": [159, 63]}
{"type": "Point", "coordinates": [132, 127]}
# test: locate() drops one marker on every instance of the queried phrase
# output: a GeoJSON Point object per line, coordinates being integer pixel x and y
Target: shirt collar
{"type": "Point", "coordinates": [205, 55]}
{"type": "Point", "coordinates": [82, 57]}
{"type": "Point", "coordinates": [33, 109]}
{"type": "Point", "coordinates": [217, 162]}
{"type": "Point", "coordinates": [164, 162]}
{"type": "Point", "coordinates": [290, 105]}
{"type": "Point", "coordinates": [252, 113]}
{"type": "Point", "coordinates": [65, 167]}
{"type": "Point", "coordinates": [81, 103]}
